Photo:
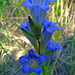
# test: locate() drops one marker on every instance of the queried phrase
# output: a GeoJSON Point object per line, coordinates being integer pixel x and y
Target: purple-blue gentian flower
{"type": "Point", "coordinates": [26, 27]}
{"type": "Point", "coordinates": [32, 62]}
{"type": "Point", "coordinates": [38, 9]}
{"type": "Point", "coordinates": [52, 46]}
{"type": "Point", "coordinates": [48, 29]}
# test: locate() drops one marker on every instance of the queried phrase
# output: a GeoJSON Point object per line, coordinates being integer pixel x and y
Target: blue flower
{"type": "Point", "coordinates": [48, 29]}
{"type": "Point", "coordinates": [38, 9]}
{"type": "Point", "coordinates": [26, 27]}
{"type": "Point", "coordinates": [32, 62]}
{"type": "Point", "coordinates": [52, 46]}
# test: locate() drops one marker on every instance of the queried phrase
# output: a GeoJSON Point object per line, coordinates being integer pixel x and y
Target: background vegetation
{"type": "Point", "coordinates": [14, 44]}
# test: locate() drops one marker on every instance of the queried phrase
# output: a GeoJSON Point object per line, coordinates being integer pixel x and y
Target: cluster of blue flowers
{"type": "Point", "coordinates": [38, 31]}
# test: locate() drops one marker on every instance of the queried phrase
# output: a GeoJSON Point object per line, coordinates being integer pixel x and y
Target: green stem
{"type": "Point", "coordinates": [39, 47]}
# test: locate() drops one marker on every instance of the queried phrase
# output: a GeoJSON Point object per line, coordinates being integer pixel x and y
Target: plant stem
{"type": "Point", "coordinates": [39, 47]}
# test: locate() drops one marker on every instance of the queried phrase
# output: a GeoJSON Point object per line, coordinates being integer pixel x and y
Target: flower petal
{"type": "Point", "coordinates": [26, 27]}
{"type": "Point", "coordinates": [54, 45]}
{"type": "Point", "coordinates": [61, 48]}
{"type": "Point", "coordinates": [25, 69]}
{"type": "Point", "coordinates": [38, 14]}
{"type": "Point", "coordinates": [52, 0]}
{"type": "Point", "coordinates": [31, 52]}
{"type": "Point", "coordinates": [37, 70]}
{"type": "Point", "coordinates": [24, 60]}
{"type": "Point", "coordinates": [48, 1]}
{"type": "Point", "coordinates": [35, 56]}
{"type": "Point", "coordinates": [36, 11]}
{"type": "Point", "coordinates": [46, 8]}
{"type": "Point", "coordinates": [26, 4]}
{"type": "Point", "coordinates": [42, 58]}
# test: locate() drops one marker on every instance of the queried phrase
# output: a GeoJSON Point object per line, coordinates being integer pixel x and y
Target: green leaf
{"type": "Point", "coordinates": [43, 69]}
{"type": "Point", "coordinates": [33, 73]}
{"type": "Point", "coordinates": [7, 71]}
{"type": "Point", "coordinates": [50, 70]}
{"type": "Point", "coordinates": [41, 39]}
{"type": "Point", "coordinates": [48, 52]}
{"type": "Point", "coordinates": [36, 31]}
{"type": "Point", "coordinates": [72, 68]}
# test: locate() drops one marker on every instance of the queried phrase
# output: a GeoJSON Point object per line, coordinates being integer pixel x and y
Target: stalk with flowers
{"type": "Point", "coordinates": [39, 31]}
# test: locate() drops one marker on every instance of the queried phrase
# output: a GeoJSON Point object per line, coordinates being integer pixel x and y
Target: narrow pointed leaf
{"type": "Point", "coordinates": [43, 69]}
{"type": "Point", "coordinates": [35, 30]}
{"type": "Point", "coordinates": [48, 52]}
{"type": "Point", "coordinates": [41, 39]}
{"type": "Point", "coordinates": [51, 68]}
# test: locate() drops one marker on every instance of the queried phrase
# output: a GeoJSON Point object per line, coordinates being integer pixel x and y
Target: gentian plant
{"type": "Point", "coordinates": [39, 31]}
